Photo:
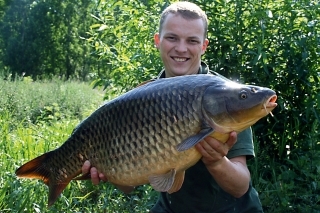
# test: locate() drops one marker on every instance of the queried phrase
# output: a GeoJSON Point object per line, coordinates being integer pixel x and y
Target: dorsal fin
{"type": "Point", "coordinates": [145, 82]}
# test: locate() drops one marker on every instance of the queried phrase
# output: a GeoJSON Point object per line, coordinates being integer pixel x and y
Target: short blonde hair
{"type": "Point", "coordinates": [187, 10]}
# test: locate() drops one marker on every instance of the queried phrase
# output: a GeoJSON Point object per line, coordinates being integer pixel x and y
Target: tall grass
{"type": "Point", "coordinates": [36, 117]}
{"type": "Point", "coordinates": [38, 101]}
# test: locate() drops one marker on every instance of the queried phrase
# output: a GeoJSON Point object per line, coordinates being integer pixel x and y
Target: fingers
{"type": "Point", "coordinates": [213, 150]}
{"type": "Point", "coordinates": [96, 177]}
{"type": "Point", "coordinates": [232, 139]}
{"type": "Point", "coordinates": [86, 167]}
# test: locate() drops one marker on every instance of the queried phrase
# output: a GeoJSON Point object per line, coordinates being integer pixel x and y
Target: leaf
{"type": "Point", "coordinates": [95, 17]}
{"type": "Point", "coordinates": [95, 26]}
{"type": "Point", "coordinates": [102, 27]}
{"type": "Point", "coordinates": [269, 13]}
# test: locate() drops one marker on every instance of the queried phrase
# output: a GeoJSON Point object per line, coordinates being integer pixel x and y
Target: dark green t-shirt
{"type": "Point", "coordinates": [201, 194]}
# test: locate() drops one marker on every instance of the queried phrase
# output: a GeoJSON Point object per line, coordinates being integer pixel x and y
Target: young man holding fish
{"type": "Point", "coordinates": [220, 181]}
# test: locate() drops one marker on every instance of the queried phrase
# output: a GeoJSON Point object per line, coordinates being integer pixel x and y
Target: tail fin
{"type": "Point", "coordinates": [38, 168]}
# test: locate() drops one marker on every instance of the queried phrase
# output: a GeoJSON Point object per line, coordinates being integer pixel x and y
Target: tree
{"type": "Point", "coordinates": [41, 38]}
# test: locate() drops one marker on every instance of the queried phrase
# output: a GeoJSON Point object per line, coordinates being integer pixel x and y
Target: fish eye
{"type": "Point", "coordinates": [243, 95]}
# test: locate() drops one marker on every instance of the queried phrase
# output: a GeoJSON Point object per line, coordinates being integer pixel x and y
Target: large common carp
{"type": "Point", "coordinates": [147, 135]}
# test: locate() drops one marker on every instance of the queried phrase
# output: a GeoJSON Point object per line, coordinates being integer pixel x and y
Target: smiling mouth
{"type": "Point", "coordinates": [177, 59]}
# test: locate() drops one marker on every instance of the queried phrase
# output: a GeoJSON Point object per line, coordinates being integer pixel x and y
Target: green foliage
{"type": "Point", "coordinates": [276, 44]}
{"type": "Point", "coordinates": [21, 141]}
{"type": "Point", "coordinates": [269, 43]}
{"type": "Point", "coordinates": [123, 39]}
{"type": "Point", "coordinates": [45, 101]}
{"type": "Point", "coordinates": [44, 38]}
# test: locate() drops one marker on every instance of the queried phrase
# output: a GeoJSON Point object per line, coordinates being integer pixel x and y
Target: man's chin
{"type": "Point", "coordinates": [179, 73]}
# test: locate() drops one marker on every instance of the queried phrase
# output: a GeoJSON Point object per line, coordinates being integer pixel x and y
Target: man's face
{"type": "Point", "coordinates": [181, 45]}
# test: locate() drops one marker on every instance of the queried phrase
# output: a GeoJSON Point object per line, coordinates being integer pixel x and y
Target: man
{"type": "Point", "coordinates": [220, 181]}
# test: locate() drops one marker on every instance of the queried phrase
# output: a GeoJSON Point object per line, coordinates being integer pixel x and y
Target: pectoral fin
{"type": "Point", "coordinates": [193, 140]}
{"type": "Point", "coordinates": [163, 182]}
{"type": "Point", "coordinates": [178, 181]}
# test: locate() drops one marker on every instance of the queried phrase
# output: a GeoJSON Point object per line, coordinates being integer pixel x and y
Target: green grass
{"type": "Point", "coordinates": [43, 101]}
{"type": "Point", "coordinates": [36, 117]}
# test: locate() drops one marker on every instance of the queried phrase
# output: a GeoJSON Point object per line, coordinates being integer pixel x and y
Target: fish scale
{"type": "Point", "coordinates": [159, 116]}
{"type": "Point", "coordinates": [147, 135]}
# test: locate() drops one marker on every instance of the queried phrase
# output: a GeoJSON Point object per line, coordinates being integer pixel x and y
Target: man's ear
{"type": "Point", "coordinates": [157, 40]}
{"type": "Point", "coordinates": [205, 45]}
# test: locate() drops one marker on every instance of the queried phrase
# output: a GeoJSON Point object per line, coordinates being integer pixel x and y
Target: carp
{"type": "Point", "coordinates": [147, 135]}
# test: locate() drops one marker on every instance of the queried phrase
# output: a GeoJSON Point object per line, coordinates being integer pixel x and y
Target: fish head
{"type": "Point", "coordinates": [229, 106]}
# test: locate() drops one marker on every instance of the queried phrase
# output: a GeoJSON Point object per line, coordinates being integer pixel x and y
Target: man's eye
{"type": "Point", "coordinates": [194, 41]}
{"type": "Point", "coordinates": [171, 38]}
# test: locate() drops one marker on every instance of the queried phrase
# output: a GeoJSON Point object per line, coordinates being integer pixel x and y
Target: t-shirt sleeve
{"type": "Point", "coordinates": [243, 146]}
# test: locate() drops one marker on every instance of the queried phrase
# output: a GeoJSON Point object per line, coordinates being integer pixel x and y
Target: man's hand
{"type": "Point", "coordinates": [232, 175]}
{"type": "Point", "coordinates": [213, 151]}
{"type": "Point", "coordinates": [96, 177]}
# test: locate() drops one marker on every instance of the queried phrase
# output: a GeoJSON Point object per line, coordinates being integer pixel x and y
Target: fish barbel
{"type": "Point", "coordinates": [147, 135]}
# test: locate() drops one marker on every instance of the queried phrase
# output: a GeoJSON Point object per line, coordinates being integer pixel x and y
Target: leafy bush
{"type": "Point", "coordinates": [276, 44]}
{"type": "Point", "coordinates": [43, 38]}
{"type": "Point", "coordinates": [269, 43]}
{"type": "Point", "coordinates": [127, 50]}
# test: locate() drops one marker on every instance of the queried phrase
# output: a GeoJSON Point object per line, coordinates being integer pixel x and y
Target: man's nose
{"type": "Point", "coordinates": [181, 47]}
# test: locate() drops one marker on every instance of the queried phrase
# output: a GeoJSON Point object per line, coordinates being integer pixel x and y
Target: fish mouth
{"type": "Point", "coordinates": [270, 104]}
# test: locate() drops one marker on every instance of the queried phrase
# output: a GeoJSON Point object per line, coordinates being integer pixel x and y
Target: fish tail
{"type": "Point", "coordinates": [38, 168]}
